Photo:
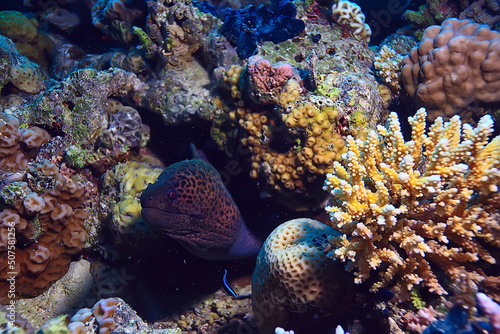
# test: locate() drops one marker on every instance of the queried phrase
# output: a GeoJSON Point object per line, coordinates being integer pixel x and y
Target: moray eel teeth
{"type": "Point", "coordinates": [189, 203]}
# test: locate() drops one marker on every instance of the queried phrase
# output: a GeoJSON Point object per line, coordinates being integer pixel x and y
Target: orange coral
{"type": "Point", "coordinates": [17, 145]}
{"type": "Point", "coordinates": [41, 229]}
{"type": "Point", "coordinates": [404, 205]}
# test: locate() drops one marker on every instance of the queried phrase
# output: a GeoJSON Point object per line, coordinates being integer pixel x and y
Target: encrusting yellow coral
{"type": "Point", "coordinates": [401, 206]}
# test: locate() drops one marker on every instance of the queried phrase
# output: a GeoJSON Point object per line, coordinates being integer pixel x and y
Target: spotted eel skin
{"type": "Point", "coordinates": [190, 203]}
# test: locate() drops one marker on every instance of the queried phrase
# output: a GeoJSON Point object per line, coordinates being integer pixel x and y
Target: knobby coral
{"type": "Point", "coordinates": [454, 65]}
{"type": "Point", "coordinates": [402, 206]}
{"type": "Point", "coordinates": [18, 145]}
{"type": "Point", "coordinates": [349, 14]}
{"type": "Point", "coordinates": [41, 228]}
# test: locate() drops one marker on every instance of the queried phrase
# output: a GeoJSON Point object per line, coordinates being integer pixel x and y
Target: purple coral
{"type": "Point", "coordinates": [265, 80]}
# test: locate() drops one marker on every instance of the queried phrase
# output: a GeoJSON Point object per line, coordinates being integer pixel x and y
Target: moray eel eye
{"type": "Point", "coordinates": [171, 194]}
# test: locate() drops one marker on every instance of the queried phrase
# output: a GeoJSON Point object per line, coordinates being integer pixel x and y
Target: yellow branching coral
{"type": "Point", "coordinates": [404, 205]}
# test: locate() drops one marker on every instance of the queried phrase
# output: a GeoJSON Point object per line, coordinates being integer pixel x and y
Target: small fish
{"type": "Point", "coordinates": [189, 202]}
{"type": "Point", "coordinates": [230, 290]}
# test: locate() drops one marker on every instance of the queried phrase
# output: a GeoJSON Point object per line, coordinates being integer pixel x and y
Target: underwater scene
{"type": "Point", "coordinates": [249, 166]}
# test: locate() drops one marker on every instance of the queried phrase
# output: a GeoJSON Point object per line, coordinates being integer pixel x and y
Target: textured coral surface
{"type": "Point", "coordinates": [294, 278]}
{"type": "Point", "coordinates": [454, 65]}
{"type": "Point", "coordinates": [411, 209]}
{"type": "Point", "coordinates": [40, 229]}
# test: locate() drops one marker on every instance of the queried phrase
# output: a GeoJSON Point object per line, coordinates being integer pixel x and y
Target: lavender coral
{"type": "Point", "coordinates": [404, 205]}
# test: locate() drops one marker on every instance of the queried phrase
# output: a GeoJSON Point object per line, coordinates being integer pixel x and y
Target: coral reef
{"type": "Point", "coordinates": [110, 280]}
{"type": "Point", "coordinates": [491, 309]}
{"type": "Point", "coordinates": [388, 65]}
{"type": "Point", "coordinates": [436, 11]}
{"type": "Point", "coordinates": [63, 19]}
{"type": "Point", "coordinates": [294, 279]}
{"type": "Point", "coordinates": [402, 206]}
{"type": "Point", "coordinates": [40, 207]}
{"type": "Point", "coordinates": [66, 296]}
{"type": "Point", "coordinates": [181, 95]}
{"type": "Point", "coordinates": [456, 321]}
{"type": "Point", "coordinates": [246, 28]}
{"type": "Point", "coordinates": [11, 322]}
{"type": "Point", "coordinates": [24, 33]}
{"type": "Point", "coordinates": [125, 129]}
{"type": "Point", "coordinates": [294, 143]}
{"type": "Point", "coordinates": [483, 12]}
{"type": "Point", "coordinates": [348, 14]}
{"type": "Point", "coordinates": [454, 65]}
{"type": "Point", "coordinates": [77, 107]}
{"type": "Point", "coordinates": [17, 69]}
{"type": "Point", "coordinates": [26, 78]}
{"type": "Point", "coordinates": [123, 186]}
{"type": "Point", "coordinates": [433, 12]}
{"type": "Point", "coordinates": [266, 81]}
{"type": "Point", "coordinates": [175, 31]}
{"type": "Point", "coordinates": [115, 18]}
{"type": "Point", "coordinates": [113, 315]}
{"type": "Point", "coordinates": [217, 313]}
{"type": "Point", "coordinates": [18, 145]}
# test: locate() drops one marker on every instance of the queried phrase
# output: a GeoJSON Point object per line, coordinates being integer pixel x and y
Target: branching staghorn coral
{"type": "Point", "coordinates": [403, 206]}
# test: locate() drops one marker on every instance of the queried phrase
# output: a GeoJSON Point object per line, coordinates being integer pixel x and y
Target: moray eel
{"type": "Point", "coordinates": [189, 202]}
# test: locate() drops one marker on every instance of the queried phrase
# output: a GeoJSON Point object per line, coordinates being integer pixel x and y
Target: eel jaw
{"type": "Point", "coordinates": [163, 221]}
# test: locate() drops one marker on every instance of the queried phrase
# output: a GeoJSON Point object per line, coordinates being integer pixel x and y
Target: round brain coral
{"type": "Point", "coordinates": [454, 65]}
{"type": "Point", "coordinates": [293, 276]}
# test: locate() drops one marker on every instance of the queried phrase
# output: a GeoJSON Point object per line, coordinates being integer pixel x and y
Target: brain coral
{"type": "Point", "coordinates": [39, 214]}
{"type": "Point", "coordinates": [454, 65]}
{"type": "Point", "coordinates": [293, 276]}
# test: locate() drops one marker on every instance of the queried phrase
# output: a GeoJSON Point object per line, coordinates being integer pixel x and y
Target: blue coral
{"type": "Point", "coordinates": [251, 25]}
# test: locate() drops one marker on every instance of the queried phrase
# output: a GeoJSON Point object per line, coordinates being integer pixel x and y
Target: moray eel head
{"type": "Point", "coordinates": [189, 202]}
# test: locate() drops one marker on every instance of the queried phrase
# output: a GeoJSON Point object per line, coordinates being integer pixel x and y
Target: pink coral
{"type": "Point", "coordinates": [266, 80]}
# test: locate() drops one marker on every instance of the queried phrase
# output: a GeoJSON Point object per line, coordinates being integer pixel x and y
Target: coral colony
{"type": "Point", "coordinates": [349, 177]}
